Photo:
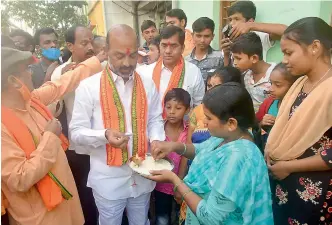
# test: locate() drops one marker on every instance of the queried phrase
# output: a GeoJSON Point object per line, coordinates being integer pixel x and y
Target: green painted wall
{"type": "Point", "coordinates": [287, 12]}
{"type": "Point", "coordinates": [268, 11]}
{"type": "Point", "coordinates": [326, 11]}
{"type": "Point", "coordinates": [196, 9]}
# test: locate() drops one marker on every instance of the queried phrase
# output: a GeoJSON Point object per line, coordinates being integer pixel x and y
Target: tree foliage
{"type": "Point", "coordinates": [60, 15]}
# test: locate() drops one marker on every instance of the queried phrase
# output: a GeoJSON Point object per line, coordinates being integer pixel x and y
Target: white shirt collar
{"type": "Point", "coordinates": [163, 67]}
{"type": "Point", "coordinates": [115, 76]}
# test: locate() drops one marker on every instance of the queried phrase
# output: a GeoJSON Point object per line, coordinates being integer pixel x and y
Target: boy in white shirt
{"type": "Point", "coordinates": [248, 58]}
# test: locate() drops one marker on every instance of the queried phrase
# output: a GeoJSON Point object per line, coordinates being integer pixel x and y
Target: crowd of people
{"type": "Point", "coordinates": [250, 140]}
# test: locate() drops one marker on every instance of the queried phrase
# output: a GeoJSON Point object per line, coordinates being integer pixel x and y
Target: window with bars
{"type": "Point", "coordinates": [224, 5]}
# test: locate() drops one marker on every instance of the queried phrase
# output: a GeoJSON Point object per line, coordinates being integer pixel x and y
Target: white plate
{"type": "Point", "coordinates": [162, 164]}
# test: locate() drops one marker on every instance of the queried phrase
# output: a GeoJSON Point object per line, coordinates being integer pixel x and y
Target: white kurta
{"type": "Point", "coordinates": [193, 80]}
{"type": "Point", "coordinates": [68, 98]}
{"type": "Point", "coordinates": [87, 129]}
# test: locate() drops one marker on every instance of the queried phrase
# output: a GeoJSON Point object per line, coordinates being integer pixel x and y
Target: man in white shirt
{"type": "Point", "coordinates": [107, 105]}
{"type": "Point", "coordinates": [171, 70]}
{"type": "Point", "coordinates": [79, 41]}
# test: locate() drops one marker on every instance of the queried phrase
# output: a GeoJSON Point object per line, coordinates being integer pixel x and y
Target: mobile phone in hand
{"type": "Point", "coordinates": [226, 30]}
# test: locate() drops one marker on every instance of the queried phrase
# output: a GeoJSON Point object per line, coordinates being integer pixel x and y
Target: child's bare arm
{"type": "Point", "coordinates": [275, 30]}
{"type": "Point", "coordinates": [183, 168]}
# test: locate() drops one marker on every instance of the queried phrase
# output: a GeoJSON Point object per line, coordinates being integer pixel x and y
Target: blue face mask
{"type": "Point", "coordinates": [51, 53]}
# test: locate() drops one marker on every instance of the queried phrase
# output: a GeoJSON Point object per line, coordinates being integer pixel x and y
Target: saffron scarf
{"type": "Point", "coordinates": [114, 117]}
{"type": "Point", "coordinates": [177, 77]}
{"type": "Point", "coordinates": [291, 137]}
{"type": "Point", "coordinates": [50, 188]}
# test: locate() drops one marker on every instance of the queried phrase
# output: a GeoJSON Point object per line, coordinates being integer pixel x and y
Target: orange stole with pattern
{"type": "Point", "coordinates": [49, 187]}
{"type": "Point", "coordinates": [176, 81]}
{"type": "Point", "coordinates": [114, 117]}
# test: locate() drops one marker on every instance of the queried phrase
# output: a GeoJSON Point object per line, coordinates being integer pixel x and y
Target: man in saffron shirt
{"type": "Point", "coordinates": [22, 175]}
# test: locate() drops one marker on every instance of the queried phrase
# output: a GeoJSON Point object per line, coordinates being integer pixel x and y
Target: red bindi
{"type": "Point", "coordinates": [128, 51]}
{"type": "Point", "coordinates": [168, 43]}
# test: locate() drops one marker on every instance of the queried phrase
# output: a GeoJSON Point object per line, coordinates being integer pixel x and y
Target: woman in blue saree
{"type": "Point", "coordinates": [228, 180]}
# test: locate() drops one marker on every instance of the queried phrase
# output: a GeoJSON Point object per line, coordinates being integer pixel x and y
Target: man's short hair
{"type": "Point", "coordinates": [28, 38]}
{"type": "Point", "coordinates": [70, 34]}
{"type": "Point", "coordinates": [66, 54]}
{"type": "Point", "coordinates": [96, 37]}
{"type": "Point", "coordinates": [249, 44]}
{"type": "Point", "coordinates": [155, 41]}
{"type": "Point", "coordinates": [170, 31]}
{"type": "Point", "coordinates": [246, 8]}
{"type": "Point", "coordinates": [147, 24]}
{"type": "Point", "coordinates": [46, 30]}
{"type": "Point", "coordinates": [178, 13]}
{"type": "Point", "coordinates": [203, 23]}
{"type": "Point", "coordinates": [179, 95]}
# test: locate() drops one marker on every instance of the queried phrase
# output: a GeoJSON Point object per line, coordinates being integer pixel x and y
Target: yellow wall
{"type": "Point", "coordinates": [96, 16]}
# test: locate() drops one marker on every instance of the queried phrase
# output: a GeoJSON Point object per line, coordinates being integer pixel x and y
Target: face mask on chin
{"type": "Point", "coordinates": [52, 54]}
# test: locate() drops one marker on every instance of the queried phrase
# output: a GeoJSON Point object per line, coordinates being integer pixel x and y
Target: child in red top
{"type": "Point", "coordinates": [177, 105]}
{"type": "Point", "coordinates": [281, 80]}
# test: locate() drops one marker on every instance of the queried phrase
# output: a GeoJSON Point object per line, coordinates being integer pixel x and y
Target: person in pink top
{"type": "Point", "coordinates": [177, 105]}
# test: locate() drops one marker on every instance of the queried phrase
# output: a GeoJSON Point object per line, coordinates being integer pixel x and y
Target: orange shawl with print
{"type": "Point", "coordinates": [291, 137]}
{"type": "Point", "coordinates": [49, 187]}
{"type": "Point", "coordinates": [176, 80]}
{"type": "Point", "coordinates": [114, 117]}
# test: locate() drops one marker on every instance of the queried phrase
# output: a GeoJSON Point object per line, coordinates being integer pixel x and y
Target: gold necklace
{"type": "Point", "coordinates": [313, 86]}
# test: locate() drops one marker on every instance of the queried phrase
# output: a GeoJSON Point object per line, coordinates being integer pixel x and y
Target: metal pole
{"type": "Point", "coordinates": [135, 19]}
{"type": "Point", "coordinates": [175, 4]}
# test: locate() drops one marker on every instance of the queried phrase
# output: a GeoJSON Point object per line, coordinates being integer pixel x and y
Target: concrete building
{"type": "Point", "coordinates": [104, 14]}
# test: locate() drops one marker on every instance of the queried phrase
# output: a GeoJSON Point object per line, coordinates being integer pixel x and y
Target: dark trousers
{"type": "Point", "coordinates": [5, 219]}
{"type": "Point", "coordinates": [80, 167]}
{"type": "Point", "coordinates": [166, 209]}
